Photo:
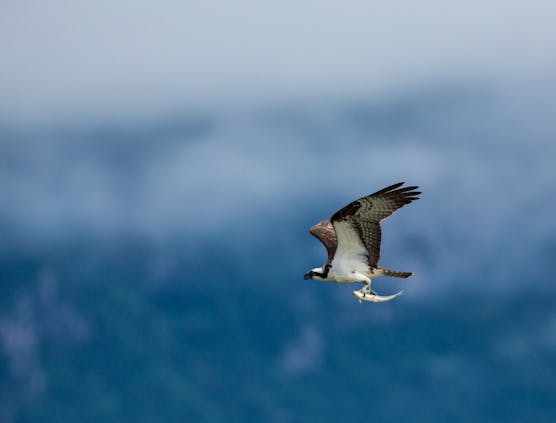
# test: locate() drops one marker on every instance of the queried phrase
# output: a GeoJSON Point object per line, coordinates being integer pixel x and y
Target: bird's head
{"type": "Point", "coordinates": [316, 274]}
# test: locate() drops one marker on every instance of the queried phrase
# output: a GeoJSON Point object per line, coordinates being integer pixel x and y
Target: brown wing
{"type": "Point", "coordinates": [364, 215]}
{"type": "Point", "coordinates": [326, 234]}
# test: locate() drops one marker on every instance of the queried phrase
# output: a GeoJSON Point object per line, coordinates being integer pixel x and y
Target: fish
{"type": "Point", "coordinates": [373, 297]}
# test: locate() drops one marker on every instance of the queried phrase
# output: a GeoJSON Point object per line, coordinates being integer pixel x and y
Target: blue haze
{"type": "Point", "coordinates": [160, 167]}
{"type": "Point", "coordinates": [154, 271]}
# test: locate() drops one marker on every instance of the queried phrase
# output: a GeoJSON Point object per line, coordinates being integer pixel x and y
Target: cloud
{"type": "Point", "coordinates": [106, 60]}
{"type": "Point", "coordinates": [485, 169]}
{"type": "Point", "coordinates": [305, 353]}
{"type": "Point", "coordinates": [37, 315]}
{"type": "Point", "coordinates": [241, 167]}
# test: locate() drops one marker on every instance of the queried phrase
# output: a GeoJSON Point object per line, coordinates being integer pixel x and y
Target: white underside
{"type": "Point", "coordinates": [347, 273]}
{"type": "Point", "coordinates": [350, 263]}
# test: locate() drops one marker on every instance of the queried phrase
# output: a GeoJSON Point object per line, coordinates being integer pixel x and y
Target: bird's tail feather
{"type": "Point", "coordinates": [396, 274]}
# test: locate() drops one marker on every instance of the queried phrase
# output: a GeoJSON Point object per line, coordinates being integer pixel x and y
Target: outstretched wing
{"type": "Point", "coordinates": [357, 225]}
{"type": "Point", "coordinates": [326, 234]}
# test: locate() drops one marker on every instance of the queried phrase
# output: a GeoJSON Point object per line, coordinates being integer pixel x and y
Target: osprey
{"type": "Point", "coordinates": [352, 238]}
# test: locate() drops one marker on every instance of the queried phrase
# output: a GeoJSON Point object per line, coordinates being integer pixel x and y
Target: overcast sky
{"type": "Point", "coordinates": [64, 59]}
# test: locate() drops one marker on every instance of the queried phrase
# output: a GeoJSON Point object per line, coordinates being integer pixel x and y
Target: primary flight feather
{"type": "Point", "coordinates": [352, 238]}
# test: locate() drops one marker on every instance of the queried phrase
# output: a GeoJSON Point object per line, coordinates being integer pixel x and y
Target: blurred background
{"type": "Point", "coordinates": [160, 165]}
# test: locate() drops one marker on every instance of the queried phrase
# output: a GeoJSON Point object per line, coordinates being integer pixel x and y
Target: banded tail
{"type": "Point", "coordinates": [396, 274]}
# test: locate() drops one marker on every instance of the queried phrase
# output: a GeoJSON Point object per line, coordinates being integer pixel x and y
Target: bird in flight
{"type": "Point", "coordinates": [352, 238]}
